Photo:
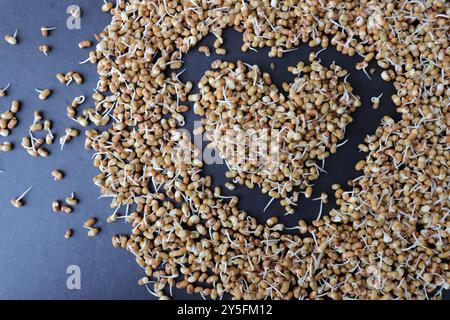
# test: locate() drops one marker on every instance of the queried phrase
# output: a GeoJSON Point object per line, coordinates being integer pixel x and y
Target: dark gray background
{"type": "Point", "coordinates": [33, 253]}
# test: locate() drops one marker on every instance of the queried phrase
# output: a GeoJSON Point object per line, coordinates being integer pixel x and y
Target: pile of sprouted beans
{"type": "Point", "coordinates": [388, 237]}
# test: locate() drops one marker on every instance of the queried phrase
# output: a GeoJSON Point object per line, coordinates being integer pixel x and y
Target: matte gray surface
{"type": "Point", "coordinates": [33, 253]}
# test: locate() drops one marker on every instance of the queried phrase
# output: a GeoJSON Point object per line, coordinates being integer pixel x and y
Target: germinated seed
{"type": "Point", "coordinates": [85, 44]}
{"type": "Point", "coordinates": [15, 106]}
{"type": "Point", "coordinates": [82, 121]}
{"type": "Point", "coordinates": [49, 138]}
{"type": "Point", "coordinates": [11, 39]}
{"type": "Point", "coordinates": [4, 132]}
{"type": "Point", "coordinates": [56, 206]}
{"type": "Point", "coordinates": [107, 6]}
{"type": "Point", "coordinates": [44, 94]}
{"type": "Point", "coordinates": [6, 146]}
{"type": "Point", "coordinates": [93, 232]}
{"type": "Point", "coordinates": [3, 91]}
{"type": "Point", "coordinates": [230, 186]}
{"type": "Point", "coordinates": [47, 125]}
{"type": "Point", "coordinates": [71, 200]}
{"type": "Point", "coordinates": [112, 218]}
{"type": "Point", "coordinates": [90, 222]}
{"type": "Point", "coordinates": [18, 202]}
{"type": "Point", "coordinates": [37, 116]}
{"type": "Point", "coordinates": [61, 78]}
{"type": "Point", "coordinates": [36, 127]}
{"type": "Point", "coordinates": [205, 50]}
{"type": "Point", "coordinates": [78, 100]}
{"type": "Point", "coordinates": [8, 115]}
{"type": "Point", "coordinates": [42, 152]}
{"type": "Point", "coordinates": [221, 51]}
{"type": "Point", "coordinates": [26, 142]}
{"type": "Point", "coordinates": [70, 133]}
{"type": "Point", "coordinates": [44, 48]}
{"type": "Point", "coordinates": [66, 209]}
{"type": "Point", "coordinates": [376, 101]}
{"type": "Point", "coordinates": [69, 77]}
{"type": "Point", "coordinates": [78, 78]}
{"type": "Point", "coordinates": [12, 123]}
{"type": "Point", "coordinates": [57, 175]}
{"type": "Point", "coordinates": [45, 31]}
{"type": "Point", "coordinates": [68, 234]}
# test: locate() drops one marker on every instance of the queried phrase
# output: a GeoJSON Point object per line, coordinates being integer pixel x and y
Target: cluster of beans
{"type": "Point", "coordinates": [35, 145]}
{"type": "Point", "coordinates": [269, 140]}
{"type": "Point", "coordinates": [388, 239]}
